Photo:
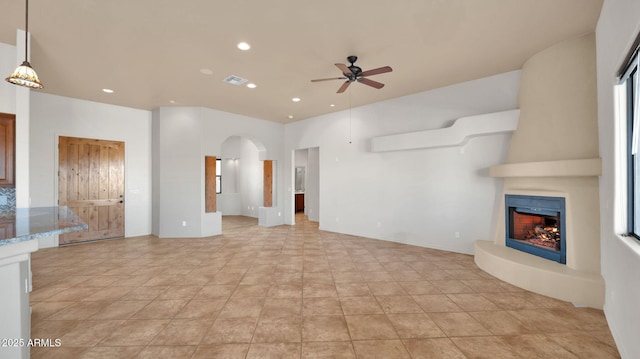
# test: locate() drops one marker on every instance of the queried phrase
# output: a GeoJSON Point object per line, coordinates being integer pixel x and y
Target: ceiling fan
{"type": "Point", "coordinates": [354, 73]}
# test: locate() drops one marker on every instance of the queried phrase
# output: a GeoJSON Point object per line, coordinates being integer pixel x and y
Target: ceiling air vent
{"type": "Point", "coordinates": [235, 80]}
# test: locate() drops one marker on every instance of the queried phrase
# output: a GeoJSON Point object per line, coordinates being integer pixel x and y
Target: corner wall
{"type": "Point", "coordinates": [439, 198]}
{"type": "Point", "coordinates": [617, 28]}
{"type": "Point", "coordinates": [54, 116]}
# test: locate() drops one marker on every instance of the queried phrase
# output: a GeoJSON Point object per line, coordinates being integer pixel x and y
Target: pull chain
{"type": "Point", "coordinates": [349, 116]}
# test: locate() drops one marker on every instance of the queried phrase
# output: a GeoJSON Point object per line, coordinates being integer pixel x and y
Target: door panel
{"type": "Point", "coordinates": [7, 149]}
{"type": "Point", "coordinates": [91, 184]}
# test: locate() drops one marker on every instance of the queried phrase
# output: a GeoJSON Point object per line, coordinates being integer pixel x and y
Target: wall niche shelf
{"type": "Point", "coordinates": [457, 134]}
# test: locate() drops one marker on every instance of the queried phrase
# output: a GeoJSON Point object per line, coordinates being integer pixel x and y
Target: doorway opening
{"type": "Point", "coordinates": [248, 182]}
{"type": "Point", "coordinates": [306, 184]}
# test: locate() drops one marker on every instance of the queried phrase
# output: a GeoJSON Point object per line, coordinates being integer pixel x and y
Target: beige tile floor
{"type": "Point", "coordinates": [293, 292]}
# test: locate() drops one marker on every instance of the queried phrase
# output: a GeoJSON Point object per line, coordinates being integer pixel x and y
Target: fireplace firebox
{"type": "Point", "coordinates": [536, 225]}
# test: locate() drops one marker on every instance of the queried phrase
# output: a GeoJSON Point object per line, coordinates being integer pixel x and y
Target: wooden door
{"type": "Point", "coordinates": [91, 184]}
{"type": "Point", "coordinates": [267, 183]}
{"type": "Point", "coordinates": [210, 171]}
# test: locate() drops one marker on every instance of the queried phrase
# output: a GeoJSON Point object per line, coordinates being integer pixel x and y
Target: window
{"type": "Point", "coordinates": [630, 100]}
{"type": "Point", "coordinates": [218, 176]}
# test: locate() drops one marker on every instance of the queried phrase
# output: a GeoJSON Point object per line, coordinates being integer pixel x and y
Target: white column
{"type": "Point", "coordinates": [23, 199]}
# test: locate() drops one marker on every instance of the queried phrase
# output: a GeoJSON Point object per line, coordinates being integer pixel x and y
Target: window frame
{"type": "Point", "coordinates": [629, 77]}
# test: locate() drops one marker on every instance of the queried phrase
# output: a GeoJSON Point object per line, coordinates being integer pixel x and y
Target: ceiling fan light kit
{"type": "Point", "coordinates": [25, 75]}
{"type": "Point", "coordinates": [353, 73]}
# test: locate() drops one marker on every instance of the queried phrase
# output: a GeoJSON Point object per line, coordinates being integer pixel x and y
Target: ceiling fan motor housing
{"type": "Point", "coordinates": [355, 70]}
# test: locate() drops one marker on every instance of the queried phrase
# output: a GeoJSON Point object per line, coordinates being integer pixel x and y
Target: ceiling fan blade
{"type": "Point", "coordinates": [344, 86]}
{"type": "Point", "coordinates": [371, 83]}
{"type": "Point", "coordinates": [379, 70]}
{"type": "Point", "coordinates": [332, 78]}
{"type": "Point", "coordinates": [345, 70]}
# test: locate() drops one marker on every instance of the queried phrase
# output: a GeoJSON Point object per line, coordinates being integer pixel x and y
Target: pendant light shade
{"type": "Point", "coordinates": [25, 75]}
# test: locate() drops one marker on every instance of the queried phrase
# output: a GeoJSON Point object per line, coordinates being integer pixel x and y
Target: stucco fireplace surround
{"type": "Point", "coordinates": [554, 153]}
{"type": "Point", "coordinates": [579, 280]}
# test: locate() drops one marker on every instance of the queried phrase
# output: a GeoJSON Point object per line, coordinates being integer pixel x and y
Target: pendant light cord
{"type": "Point", "coordinates": [26, 31]}
{"type": "Point", "coordinates": [349, 116]}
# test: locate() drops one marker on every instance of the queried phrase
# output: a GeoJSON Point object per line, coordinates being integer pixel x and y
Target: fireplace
{"type": "Point", "coordinates": [536, 225]}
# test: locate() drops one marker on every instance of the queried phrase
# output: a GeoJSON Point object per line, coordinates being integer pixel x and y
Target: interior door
{"type": "Point", "coordinates": [91, 184]}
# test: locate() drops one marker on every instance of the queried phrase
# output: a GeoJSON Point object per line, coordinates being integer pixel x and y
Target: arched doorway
{"type": "Point", "coordinates": [248, 181]}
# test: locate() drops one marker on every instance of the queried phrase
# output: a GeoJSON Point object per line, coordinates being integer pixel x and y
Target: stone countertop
{"type": "Point", "coordinates": [32, 223]}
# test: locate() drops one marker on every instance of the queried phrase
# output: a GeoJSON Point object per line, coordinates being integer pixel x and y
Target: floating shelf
{"type": "Point", "coordinates": [458, 134]}
{"type": "Point", "coordinates": [565, 168]}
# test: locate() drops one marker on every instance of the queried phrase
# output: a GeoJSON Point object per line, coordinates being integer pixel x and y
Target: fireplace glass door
{"type": "Point", "coordinates": [535, 225]}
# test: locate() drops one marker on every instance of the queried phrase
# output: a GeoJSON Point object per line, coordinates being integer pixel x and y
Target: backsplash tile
{"type": "Point", "coordinates": [10, 195]}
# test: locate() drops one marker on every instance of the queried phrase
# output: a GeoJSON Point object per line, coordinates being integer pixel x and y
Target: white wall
{"type": "Point", "coordinates": [180, 168]}
{"type": "Point", "coordinates": [54, 116]}
{"type": "Point", "coordinates": [312, 189]}
{"type": "Point", "coordinates": [229, 174]}
{"type": "Point", "coordinates": [229, 202]}
{"type": "Point", "coordinates": [420, 197]}
{"type": "Point", "coordinates": [155, 173]}
{"type": "Point", "coordinates": [7, 90]}
{"type": "Point", "coordinates": [617, 28]}
{"type": "Point", "coordinates": [250, 179]}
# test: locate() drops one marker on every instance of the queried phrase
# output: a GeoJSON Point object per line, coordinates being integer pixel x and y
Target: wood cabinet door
{"type": "Point", "coordinates": [299, 202]}
{"type": "Point", "coordinates": [7, 150]}
{"type": "Point", "coordinates": [7, 229]}
{"type": "Point", "coordinates": [91, 184]}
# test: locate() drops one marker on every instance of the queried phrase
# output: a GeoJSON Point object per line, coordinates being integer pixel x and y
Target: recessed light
{"type": "Point", "coordinates": [251, 85]}
{"type": "Point", "coordinates": [244, 46]}
{"type": "Point", "coordinates": [290, 117]}
{"type": "Point", "coordinates": [107, 90]}
{"type": "Point", "coordinates": [206, 71]}
{"type": "Point", "coordinates": [295, 99]}
{"type": "Point", "coordinates": [332, 105]}
{"type": "Point", "coordinates": [172, 102]}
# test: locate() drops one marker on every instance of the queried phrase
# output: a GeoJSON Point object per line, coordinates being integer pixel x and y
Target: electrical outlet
{"type": "Point", "coordinates": [456, 234]}
{"type": "Point", "coordinates": [184, 223]}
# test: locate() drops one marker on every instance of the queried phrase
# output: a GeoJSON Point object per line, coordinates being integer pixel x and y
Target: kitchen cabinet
{"type": "Point", "coordinates": [299, 202]}
{"type": "Point", "coordinates": [7, 150]}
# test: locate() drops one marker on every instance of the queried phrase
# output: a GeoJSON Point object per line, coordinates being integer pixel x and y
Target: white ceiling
{"type": "Point", "coordinates": [151, 52]}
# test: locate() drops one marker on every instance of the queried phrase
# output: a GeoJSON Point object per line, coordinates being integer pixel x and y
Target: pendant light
{"type": "Point", "coordinates": [25, 75]}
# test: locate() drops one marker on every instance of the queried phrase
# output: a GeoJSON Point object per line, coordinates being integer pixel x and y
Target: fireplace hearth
{"type": "Point", "coordinates": [536, 225]}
